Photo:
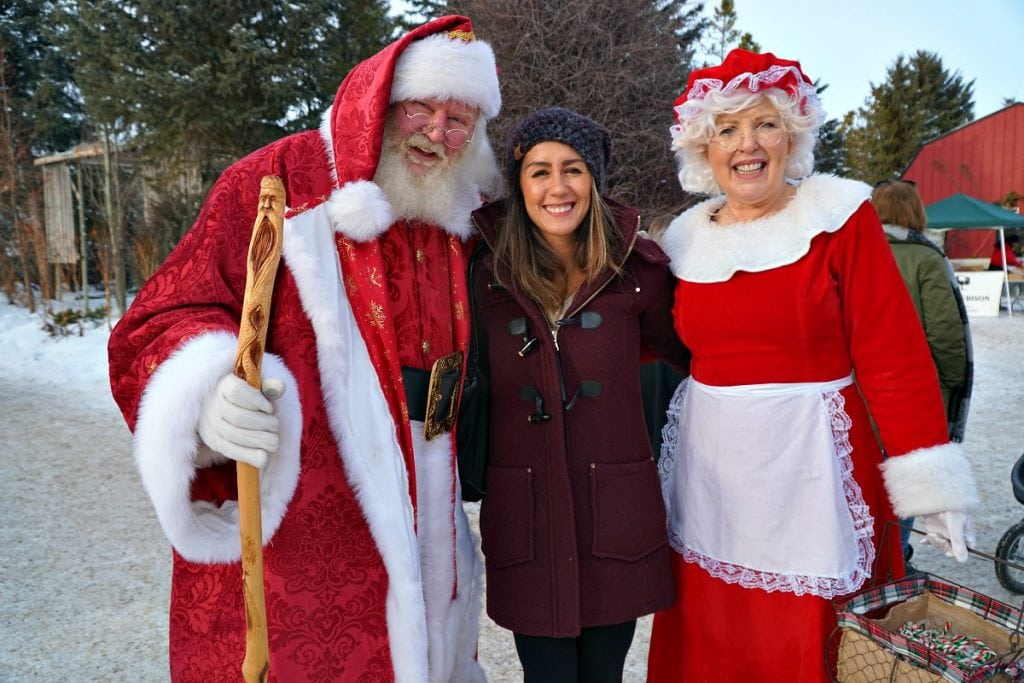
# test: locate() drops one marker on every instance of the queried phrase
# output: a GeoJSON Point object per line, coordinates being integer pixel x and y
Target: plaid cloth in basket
{"type": "Point", "coordinates": [851, 615]}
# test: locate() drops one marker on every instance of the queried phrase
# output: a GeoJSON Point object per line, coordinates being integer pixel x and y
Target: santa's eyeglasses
{"type": "Point", "coordinates": [421, 118]}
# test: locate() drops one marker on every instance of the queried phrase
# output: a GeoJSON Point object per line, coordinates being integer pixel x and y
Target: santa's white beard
{"type": "Point", "coordinates": [430, 196]}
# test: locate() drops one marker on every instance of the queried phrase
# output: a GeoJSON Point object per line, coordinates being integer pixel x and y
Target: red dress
{"type": "Point", "coordinates": [810, 294]}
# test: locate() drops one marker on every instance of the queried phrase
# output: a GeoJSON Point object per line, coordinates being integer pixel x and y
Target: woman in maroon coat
{"type": "Point", "coordinates": [568, 297]}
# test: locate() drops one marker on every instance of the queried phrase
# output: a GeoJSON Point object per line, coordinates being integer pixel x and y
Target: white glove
{"type": "Point", "coordinates": [951, 532]}
{"type": "Point", "coordinates": [238, 421]}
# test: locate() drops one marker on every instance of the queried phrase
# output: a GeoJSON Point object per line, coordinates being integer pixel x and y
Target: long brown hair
{"type": "Point", "coordinates": [536, 269]}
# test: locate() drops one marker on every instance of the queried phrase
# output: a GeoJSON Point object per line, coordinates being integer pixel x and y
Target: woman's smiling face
{"type": "Point", "coordinates": [748, 154]}
{"type": "Point", "coordinates": [556, 186]}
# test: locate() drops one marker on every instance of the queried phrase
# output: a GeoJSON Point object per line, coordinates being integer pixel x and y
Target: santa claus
{"type": "Point", "coordinates": [370, 571]}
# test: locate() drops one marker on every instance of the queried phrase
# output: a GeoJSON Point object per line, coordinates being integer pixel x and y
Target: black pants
{"type": "Point", "coordinates": [597, 655]}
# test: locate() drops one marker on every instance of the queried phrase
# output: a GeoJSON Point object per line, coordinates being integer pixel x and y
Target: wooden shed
{"type": "Point", "coordinates": [983, 159]}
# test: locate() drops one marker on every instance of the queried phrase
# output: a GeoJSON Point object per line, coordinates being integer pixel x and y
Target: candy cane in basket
{"type": "Point", "coordinates": [261, 269]}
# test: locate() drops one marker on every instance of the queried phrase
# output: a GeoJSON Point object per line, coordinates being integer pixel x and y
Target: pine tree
{"type": "Point", "coordinates": [222, 77]}
{"type": "Point", "coordinates": [723, 35]}
{"type": "Point", "coordinates": [420, 11]}
{"type": "Point", "coordinates": [919, 100]}
{"type": "Point", "coordinates": [747, 42]}
{"type": "Point", "coordinates": [38, 115]}
{"type": "Point", "coordinates": [194, 86]}
{"type": "Point", "coordinates": [830, 151]}
{"type": "Point", "coordinates": [620, 62]}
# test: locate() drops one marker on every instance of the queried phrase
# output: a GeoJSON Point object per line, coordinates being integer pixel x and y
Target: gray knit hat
{"type": "Point", "coordinates": [555, 124]}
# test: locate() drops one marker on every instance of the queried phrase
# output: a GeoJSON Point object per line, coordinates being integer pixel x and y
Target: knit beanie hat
{"type": "Point", "coordinates": [555, 124]}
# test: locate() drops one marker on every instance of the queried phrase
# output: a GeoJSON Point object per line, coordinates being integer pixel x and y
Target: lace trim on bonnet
{"type": "Point", "coordinates": [703, 251]}
{"type": "Point", "coordinates": [754, 82]}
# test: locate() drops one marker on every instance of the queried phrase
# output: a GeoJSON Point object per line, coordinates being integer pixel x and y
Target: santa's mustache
{"type": "Point", "coordinates": [422, 142]}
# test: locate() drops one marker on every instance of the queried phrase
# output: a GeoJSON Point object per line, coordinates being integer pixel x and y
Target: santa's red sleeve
{"type": "Point", "coordinates": [166, 354]}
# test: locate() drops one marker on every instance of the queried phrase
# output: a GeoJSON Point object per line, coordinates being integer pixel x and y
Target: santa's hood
{"type": "Point", "coordinates": [439, 60]}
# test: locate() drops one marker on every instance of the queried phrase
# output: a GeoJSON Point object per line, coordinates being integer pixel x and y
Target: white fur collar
{"type": "Point", "coordinates": [703, 251]}
{"type": "Point", "coordinates": [360, 210]}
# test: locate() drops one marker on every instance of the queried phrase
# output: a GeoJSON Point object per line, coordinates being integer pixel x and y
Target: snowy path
{"type": "Point", "coordinates": [84, 567]}
{"type": "Point", "coordinates": [84, 570]}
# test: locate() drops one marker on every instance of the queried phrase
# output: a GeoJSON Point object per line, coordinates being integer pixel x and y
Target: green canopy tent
{"type": "Point", "coordinates": [962, 212]}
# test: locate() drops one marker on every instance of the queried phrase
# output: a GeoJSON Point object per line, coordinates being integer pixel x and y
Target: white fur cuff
{"type": "Point", "coordinates": [360, 211]}
{"type": "Point", "coordinates": [930, 480]}
{"type": "Point", "coordinates": [166, 444]}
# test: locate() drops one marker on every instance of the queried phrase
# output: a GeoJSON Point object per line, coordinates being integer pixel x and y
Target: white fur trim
{"type": "Point", "coordinates": [165, 446]}
{"type": "Point", "coordinates": [452, 625]}
{"type": "Point", "coordinates": [362, 425]}
{"type": "Point", "coordinates": [703, 251]}
{"type": "Point", "coordinates": [439, 67]}
{"type": "Point", "coordinates": [360, 211]}
{"type": "Point", "coordinates": [929, 480]}
{"type": "Point", "coordinates": [327, 138]}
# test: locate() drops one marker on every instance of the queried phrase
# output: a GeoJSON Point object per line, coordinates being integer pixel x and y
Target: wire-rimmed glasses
{"type": "Point", "coordinates": [766, 134]}
{"type": "Point", "coordinates": [422, 121]}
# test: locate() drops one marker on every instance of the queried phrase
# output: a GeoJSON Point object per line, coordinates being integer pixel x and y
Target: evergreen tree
{"type": "Point", "coordinates": [220, 78]}
{"type": "Point", "coordinates": [421, 11]}
{"type": "Point", "coordinates": [38, 115]}
{"type": "Point", "coordinates": [37, 78]}
{"type": "Point", "coordinates": [830, 152]}
{"type": "Point", "coordinates": [620, 62]}
{"type": "Point", "coordinates": [747, 42]}
{"type": "Point", "coordinates": [919, 100]}
{"type": "Point", "coordinates": [722, 35]}
{"type": "Point", "coordinates": [194, 86]}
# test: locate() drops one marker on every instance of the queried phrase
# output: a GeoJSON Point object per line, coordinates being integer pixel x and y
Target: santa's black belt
{"type": "Point", "coordinates": [433, 395]}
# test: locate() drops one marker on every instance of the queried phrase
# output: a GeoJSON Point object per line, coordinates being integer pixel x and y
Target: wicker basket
{"type": "Point", "coordinates": [871, 649]}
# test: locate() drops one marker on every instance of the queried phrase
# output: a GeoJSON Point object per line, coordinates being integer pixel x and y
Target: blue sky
{"type": "Point", "coordinates": [849, 45]}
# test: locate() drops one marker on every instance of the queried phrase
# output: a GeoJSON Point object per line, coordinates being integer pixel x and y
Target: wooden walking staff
{"type": "Point", "coordinates": [261, 269]}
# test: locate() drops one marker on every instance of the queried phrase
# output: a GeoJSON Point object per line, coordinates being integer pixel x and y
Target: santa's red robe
{"type": "Point", "coordinates": [369, 566]}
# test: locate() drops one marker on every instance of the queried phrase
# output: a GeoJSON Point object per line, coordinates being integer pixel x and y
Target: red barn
{"type": "Point", "coordinates": [983, 159]}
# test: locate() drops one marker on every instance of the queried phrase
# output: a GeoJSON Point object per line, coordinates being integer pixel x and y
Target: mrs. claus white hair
{"type": "Point", "coordinates": [691, 136]}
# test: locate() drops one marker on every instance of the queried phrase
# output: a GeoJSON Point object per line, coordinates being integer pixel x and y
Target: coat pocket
{"type": "Point", "coordinates": [506, 517]}
{"type": "Point", "coordinates": [627, 510]}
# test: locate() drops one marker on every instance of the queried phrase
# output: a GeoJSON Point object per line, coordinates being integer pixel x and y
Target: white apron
{"type": "Point", "coordinates": [759, 488]}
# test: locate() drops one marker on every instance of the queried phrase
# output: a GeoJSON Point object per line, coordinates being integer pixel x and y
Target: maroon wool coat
{"type": "Point", "coordinates": [573, 523]}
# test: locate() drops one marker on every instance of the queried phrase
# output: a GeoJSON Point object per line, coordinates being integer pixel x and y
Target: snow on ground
{"type": "Point", "coordinates": [84, 567]}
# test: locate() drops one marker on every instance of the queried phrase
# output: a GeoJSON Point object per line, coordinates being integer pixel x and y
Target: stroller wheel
{"type": "Point", "coordinates": [1011, 549]}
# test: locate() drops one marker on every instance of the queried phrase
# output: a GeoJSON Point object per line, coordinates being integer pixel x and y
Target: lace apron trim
{"type": "Point", "coordinates": [758, 484]}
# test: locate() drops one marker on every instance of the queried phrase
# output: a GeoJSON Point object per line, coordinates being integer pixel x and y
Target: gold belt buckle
{"type": "Point", "coordinates": [443, 393]}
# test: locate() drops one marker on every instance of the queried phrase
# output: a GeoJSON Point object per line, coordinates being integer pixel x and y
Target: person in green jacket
{"type": "Point", "coordinates": [929, 279]}
{"type": "Point", "coordinates": [936, 296]}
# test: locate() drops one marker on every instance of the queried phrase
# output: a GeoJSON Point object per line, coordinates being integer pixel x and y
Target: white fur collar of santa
{"type": "Point", "coordinates": [361, 211]}
{"type": "Point", "coordinates": [703, 251]}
